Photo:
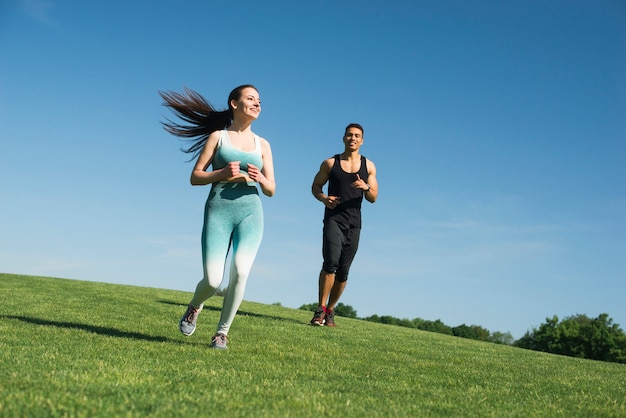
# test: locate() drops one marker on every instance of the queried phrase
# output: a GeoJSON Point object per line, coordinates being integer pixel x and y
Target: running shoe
{"type": "Point", "coordinates": [219, 342]}
{"type": "Point", "coordinates": [318, 317]}
{"type": "Point", "coordinates": [330, 318]}
{"type": "Point", "coordinates": [187, 323]}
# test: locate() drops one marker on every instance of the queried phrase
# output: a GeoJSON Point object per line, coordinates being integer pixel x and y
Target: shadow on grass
{"type": "Point", "coordinates": [239, 312]}
{"type": "Point", "coordinates": [111, 332]}
{"type": "Point", "coordinates": [184, 305]}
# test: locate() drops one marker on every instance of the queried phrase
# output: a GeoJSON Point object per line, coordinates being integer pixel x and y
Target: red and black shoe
{"type": "Point", "coordinates": [330, 318]}
{"type": "Point", "coordinates": [319, 316]}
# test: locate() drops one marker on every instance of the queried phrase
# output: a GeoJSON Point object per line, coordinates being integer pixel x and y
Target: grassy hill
{"type": "Point", "coordinates": [84, 349]}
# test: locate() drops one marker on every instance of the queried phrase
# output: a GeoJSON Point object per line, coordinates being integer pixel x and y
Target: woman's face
{"type": "Point", "coordinates": [248, 105]}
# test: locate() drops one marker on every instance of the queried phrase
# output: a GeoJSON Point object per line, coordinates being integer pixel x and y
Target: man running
{"type": "Point", "coordinates": [350, 177]}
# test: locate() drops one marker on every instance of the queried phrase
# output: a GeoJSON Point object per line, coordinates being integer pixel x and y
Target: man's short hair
{"type": "Point", "coordinates": [354, 125]}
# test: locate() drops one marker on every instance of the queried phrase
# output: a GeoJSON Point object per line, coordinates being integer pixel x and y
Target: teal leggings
{"type": "Point", "coordinates": [233, 215]}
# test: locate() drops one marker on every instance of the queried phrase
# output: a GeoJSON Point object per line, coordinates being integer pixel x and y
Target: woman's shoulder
{"type": "Point", "coordinates": [264, 142]}
{"type": "Point", "coordinates": [264, 146]}
{"type": "Point", "coordinates": [214, 138]}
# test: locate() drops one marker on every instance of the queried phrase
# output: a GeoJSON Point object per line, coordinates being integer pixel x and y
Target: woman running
{"type": "Point", "coordinates": [233, 160]}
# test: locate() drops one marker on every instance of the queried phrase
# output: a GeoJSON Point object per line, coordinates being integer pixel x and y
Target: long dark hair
{"type": "Point", "coordinates": [200, 119]}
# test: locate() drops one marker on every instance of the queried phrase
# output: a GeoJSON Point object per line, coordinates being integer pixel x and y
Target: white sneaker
{"type": "Point", "coordinates": [219, 342]}
{"type": "Point", "coordinates": [187, 323]}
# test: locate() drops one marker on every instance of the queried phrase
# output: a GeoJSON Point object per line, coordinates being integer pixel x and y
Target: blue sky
{"type": "Point", "coordinates": [498, 130]}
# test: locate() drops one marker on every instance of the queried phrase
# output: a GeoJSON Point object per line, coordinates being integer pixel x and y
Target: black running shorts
{"type": "Point", "coordinates": [340, 244]}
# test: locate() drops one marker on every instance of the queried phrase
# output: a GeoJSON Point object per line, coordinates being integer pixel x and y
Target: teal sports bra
{"type": "Point", "coordinates": [226, 153]}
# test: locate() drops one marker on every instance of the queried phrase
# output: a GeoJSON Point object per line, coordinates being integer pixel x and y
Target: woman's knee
{"type": "Point", "coordinates": [213, 276]}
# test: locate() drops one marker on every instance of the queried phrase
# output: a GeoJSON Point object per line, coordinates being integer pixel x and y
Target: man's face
{"type": "Point", "coordinates": [353, 138]}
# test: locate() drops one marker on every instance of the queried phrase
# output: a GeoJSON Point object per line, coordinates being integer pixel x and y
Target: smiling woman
{"type": "Point", "coordinates": [233, 159]}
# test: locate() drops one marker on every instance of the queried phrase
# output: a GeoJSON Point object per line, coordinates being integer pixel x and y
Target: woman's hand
{"type": "Point", "coordinates": [231, 169]}
{"type": "Point", "coordinates": [255, 174]}
{"type": "Point", "coordinates": [268, 186]}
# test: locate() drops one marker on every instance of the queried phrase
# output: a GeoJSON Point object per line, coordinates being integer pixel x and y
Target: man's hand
{"type": "Point", "coordinates": [359, 183]}
{"type": "Point", "coordinates": [331, 202]}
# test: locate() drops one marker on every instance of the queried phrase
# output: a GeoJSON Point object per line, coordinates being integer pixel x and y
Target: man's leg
{"type": "Point", "coordinates": [326, 284]}
{"type": "Point", "coordinates": [348, 252]}
{"type": "Point", "coordinates": [326, 281]}
{"type": "Point", "coordinates": [332, 243]}
{"type": "Point", "coordinates": [335, 293]}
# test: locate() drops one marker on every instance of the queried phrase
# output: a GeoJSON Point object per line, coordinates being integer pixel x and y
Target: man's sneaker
{"type": "Point", "coordinates": [187, 323]}
{"type": "Point", "coordinates": [318, 317]}
{"type": "Point", "coordinates": [330, 318]}
{"type": "Point", "coordinates": [219, 342]}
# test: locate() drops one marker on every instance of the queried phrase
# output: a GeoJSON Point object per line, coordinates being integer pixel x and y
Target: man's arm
{"type": "Point", "coordinates": [321, 178]}
{"type": "Point", "coordinates": [372, 193]}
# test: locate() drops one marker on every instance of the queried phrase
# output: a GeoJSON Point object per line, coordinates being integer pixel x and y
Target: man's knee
{"type": "Point", "coordinates": [329, 268]}
{"type": "Point", "coordinates": [341, 275]}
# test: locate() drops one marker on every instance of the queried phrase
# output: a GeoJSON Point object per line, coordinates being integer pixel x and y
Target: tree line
{"type": "Point", "coordinates": [575, 336]}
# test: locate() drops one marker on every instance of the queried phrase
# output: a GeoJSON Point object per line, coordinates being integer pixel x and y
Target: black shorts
{"type": "Point", "coordinates": [340, 244]}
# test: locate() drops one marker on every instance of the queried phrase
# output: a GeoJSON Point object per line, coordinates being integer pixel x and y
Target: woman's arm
{"type": "Point", "coordinates": [264, 177]}
{"type": "Point", "coordinates": [200, 176]}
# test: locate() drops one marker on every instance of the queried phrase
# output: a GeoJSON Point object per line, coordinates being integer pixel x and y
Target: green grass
{"type": "Point", "coordinates": [84, 349]}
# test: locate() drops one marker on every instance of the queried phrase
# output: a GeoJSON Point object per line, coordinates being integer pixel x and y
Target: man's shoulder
{"type": "Point", "coordinates": [327, 165]}
{"type": "Point", "coordinates": [331, 160]}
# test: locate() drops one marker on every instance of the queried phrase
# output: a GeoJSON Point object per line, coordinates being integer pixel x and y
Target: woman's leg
{"type": "Point", "coordinates": [216, 235]}
{"type": "Point", "coordinates": [246, 241]}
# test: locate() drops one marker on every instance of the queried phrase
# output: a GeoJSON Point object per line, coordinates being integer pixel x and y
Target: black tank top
{"type": "Point", "coordinates": [348, 212]}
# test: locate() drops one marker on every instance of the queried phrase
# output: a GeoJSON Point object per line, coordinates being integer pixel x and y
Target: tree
{"type": "Point", "coordinates": [309, 307]}
{"type": "Point", "coordinates": [473, 332]}
{"type": "Point", "coordinates": [341, 309]}
{"type": "Point", "coordinates": [372, 318]}
{"type": "Point", "coordinates": [346, 311]}
{"type": "Point", "coordinates": [501, 338]}
{"type": "Point", "coordinates": [435, 326]}
{"type": "Point", "coordinates": [579, 336]}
